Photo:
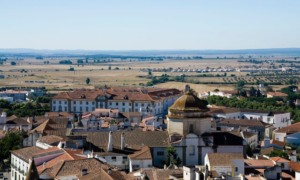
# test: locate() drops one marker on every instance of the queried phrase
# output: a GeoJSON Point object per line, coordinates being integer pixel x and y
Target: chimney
{"type": "Point", "coordinates": [110, 142]}
{"type": "Point", "coordinates": [122, 141]}
{"type": "Point", "coordinates": [187, 88]}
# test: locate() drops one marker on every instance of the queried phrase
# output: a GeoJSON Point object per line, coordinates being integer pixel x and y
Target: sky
{"type": "Point", "coordinates": [149, 24]}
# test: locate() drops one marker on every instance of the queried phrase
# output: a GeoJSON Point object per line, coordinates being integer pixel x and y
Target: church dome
{"type": "Point", "coordinates": [189, 103]}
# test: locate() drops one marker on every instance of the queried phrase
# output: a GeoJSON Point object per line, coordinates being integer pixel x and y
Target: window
{"type": "Point", "coordinates": [114, 159]}
{"type": "Point", "coordinates": [59, 102]}
{"type": "Point", "coordinates": [110, 103]}
{"type": "Point", "coordinates": [93, 103]}
{"type": "Point", "coordinates": [80, 109]}
{"type": "Point", "coordinates": [135, 166]}
{"type": "Point", "coordinates": [124, 157]}
{"type": "Point", "coordinates": [123, 104]}
{"type": "Point", "coordinates": [54, 102]}
{"type": "Point", "coordinates": [123, 109]}
{"type": "Point", "coordinates": [80, 102]}
{"type": "Point", "coordinates": [136, 104]}
{"type": "Point", "coordinates": [53, 108]}
{"type": "Point", "coordinates": [160, 153]}
{"type": "Point", "coordinates": [65, 102]}
{"type": "Point", "coordinates": [87, 109]}
{"type": "Point", "coordinates": [74, 109]}
{"type": "Point", "coordinates": [74, 102]}
{"type": "Point", "coordinates": [65, 109]}
{"type": "Point", "coordinates": [192, 150]}
{"type": "Point", "coordinates": [236, 169]}
{"type": "Point", "coordinates": [117, 104]}
{"type": "Point", "coordinates": [142, 104]}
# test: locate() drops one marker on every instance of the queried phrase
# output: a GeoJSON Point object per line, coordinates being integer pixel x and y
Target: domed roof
{"type": "Point", "coordinates": [189, 103]}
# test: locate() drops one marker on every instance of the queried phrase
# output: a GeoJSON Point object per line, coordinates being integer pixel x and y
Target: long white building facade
{"type": "Point", "coordinates": [154, 101]}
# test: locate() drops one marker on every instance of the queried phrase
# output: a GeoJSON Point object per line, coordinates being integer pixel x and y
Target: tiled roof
{"type": "Point", "coordinates": [294, 128]}
{"type": "Point", "coordinates": [259, 163]}
{"type": "Point", "coordinates": [34, 152]}
{"type": "Point", "coordinates": [295, 166]}
{"type": "Point", "coordinates": [223, 159]}
{"type": "Point", "coordinates": [144, 153]}
{"type": "Point", "coordinates": [120, 93]}
{"type": "Point", "coordinates": [103, 174]}
{"type": "Point", "coordinates": [243, 122]}
{"type": "Point", "coordinates": [132, 138]}
{"type": "Point", "coordinates": [58, 114]}
{"type": "Point", "coordinates": [224, 110]}
{"type": "Point", "coordinates": [278, 94]}
{"type": "Point", "coordinates": [53, 126]}
{"type": "Point", "coordinates": [51, 139]}
{"type": "Point", "coordinates": [26, 153]}
{"type": "Point", "coordinates": [278, 143]}
{"type": "Point", "coordinates": [279, 159]}
{"type": "Point", "coordinates": [163, 174]}
{"type": "Point", "coordinates": [68, 154]}
{"type": "Point", "coordinates": [74, 167]}
{"type": "Point", "coordinates": [17, 120]}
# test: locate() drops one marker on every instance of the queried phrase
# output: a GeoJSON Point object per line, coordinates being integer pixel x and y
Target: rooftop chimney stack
{"type": "Point", "coordinates": [187, 88]}
{"type": "Point", "coordinates": [122, 141]}
{"type": "Point", "coordinates": [110, 142]}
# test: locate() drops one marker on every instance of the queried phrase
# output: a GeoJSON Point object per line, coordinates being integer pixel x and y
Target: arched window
{"type": "Point", "coordinates": [192, 150]}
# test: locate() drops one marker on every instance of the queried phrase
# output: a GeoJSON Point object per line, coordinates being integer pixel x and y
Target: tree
{"type": "Point", "coordinates": [87, 81]}
{"type": "Point", "coordinates": [13, 63]}
{"type": "Point", "coordinates": [149, 72]}
{"type": "Point", "coordinates": [172, 157]}
{"type": "Point", "coordinates": [11, 141]}
{"type": "Point", "coordinates": [279, 153]}
{"type": "Point", "coordinates": [109, 67]}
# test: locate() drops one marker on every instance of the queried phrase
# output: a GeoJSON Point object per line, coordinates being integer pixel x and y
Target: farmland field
{"type": "Point", "coordinates": [35, 73]}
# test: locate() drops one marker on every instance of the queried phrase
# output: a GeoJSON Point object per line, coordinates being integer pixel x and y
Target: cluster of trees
{"type": "Point", "coordinates": [27, 109]}
{"type": "Point", "coordinates": [11, 141]}
{"type": "Point", "coordinates": [65, 62]}
{"type": "Point", "coordinates": [160, 79]}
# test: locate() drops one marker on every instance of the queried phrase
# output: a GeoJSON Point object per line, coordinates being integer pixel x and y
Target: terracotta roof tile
{"type": "Point", "coordinates": [294, 128]}
{"type": "Point", "coordinates": [243, 123]}
{"type": "Point", "coordinates": [51, 139]}
{"type": "Point", "coordinates": [259, 163]}
{"type": "Point", "coordinates": [223, 159]}
{"type": "Point", "coordinates": [144, 153]}
{"type": "Point", "coordinates": [26, 153]}
{"type": "Point", "coordinates": [279, 159]}
{"type": "Point", "coordinates": [120, 93]}
{"type": "Point", "coordinates": [132, 138]}
{"type": "Point", "coordinates": [295, 166]}
{"type": "Point", "coordinates": [277, 94]}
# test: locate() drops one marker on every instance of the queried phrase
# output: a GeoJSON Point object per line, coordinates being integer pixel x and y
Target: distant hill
{"type": "Point", "coordinates": [36, 52]}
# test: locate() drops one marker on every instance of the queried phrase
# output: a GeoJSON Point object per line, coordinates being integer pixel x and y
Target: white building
{"type": "Point", "coordinates": [225, 163]}
{"type": "Point", "coordinates": [152, 101]}
{"type": "Point", "coordinates": [277, 118]}
{"type": "Point", "coordinates": [289, 134]}
{"type": "Point", "coordinates": [140, 159]}
{"type": "Point", "coordinates": [21, 159]}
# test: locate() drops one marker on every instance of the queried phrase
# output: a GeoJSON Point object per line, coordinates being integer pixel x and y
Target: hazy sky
{"type": "Point", "coordinates": [149, 24]}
